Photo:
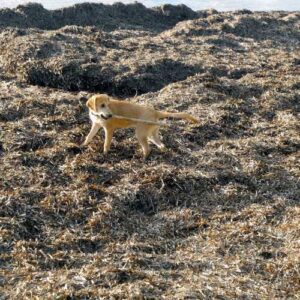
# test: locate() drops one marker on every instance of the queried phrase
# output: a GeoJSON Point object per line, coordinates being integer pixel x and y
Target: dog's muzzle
{"type": "Point", "coordinates": [106, 117]}
{"type": "Point", "coordinates": [102, 116]}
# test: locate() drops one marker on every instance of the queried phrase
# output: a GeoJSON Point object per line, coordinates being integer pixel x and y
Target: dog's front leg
{"type": "Point", "coordinates": [92, 133]}
{"type": "Point", "coordinates": [108, 137]}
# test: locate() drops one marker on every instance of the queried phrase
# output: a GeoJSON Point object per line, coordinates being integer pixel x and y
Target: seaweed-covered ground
{"type": "Point", "coordinates": [216, 216]}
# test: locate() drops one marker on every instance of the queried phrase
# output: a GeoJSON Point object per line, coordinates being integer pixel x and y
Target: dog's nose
{"type": "Point", "coordinates": [109, 116]}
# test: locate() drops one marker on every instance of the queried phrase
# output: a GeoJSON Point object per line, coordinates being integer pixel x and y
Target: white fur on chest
{"type": "Point", "coordinates": [96, 119]}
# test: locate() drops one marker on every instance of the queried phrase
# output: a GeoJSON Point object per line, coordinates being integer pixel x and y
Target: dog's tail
{"type": "Point", "coordinates": [185, 116]}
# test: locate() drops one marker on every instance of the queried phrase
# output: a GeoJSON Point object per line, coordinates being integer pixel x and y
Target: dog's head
{"type": "Point", "coordinates": [100, 105]}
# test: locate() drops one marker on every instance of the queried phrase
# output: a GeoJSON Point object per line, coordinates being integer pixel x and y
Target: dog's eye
{"type": "Point", "coordinates": [103, 105]}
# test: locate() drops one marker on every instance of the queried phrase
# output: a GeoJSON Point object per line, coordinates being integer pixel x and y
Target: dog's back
{"type": "Point", "coordinates": [132, 110]}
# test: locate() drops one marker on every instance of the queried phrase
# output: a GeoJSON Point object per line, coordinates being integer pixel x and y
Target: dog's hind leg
{"type": "Point", "coordinates": [155, 139]}
{"type": "Point", "coordinates": [142, 136]}
{"type": "Point", "coordinates": [92, 133]}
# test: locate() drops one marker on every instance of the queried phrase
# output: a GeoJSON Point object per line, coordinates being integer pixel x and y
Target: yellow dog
{"type": "Point", "coordinates": [112, 114]}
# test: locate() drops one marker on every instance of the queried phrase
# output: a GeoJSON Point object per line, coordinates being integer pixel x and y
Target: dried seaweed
{"type": "Point", "coordinates": [215, 216]}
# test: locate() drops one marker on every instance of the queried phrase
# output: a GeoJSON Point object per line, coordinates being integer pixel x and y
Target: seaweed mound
{"type": "Point", "coordinates": [108, 17]}
{"type": "Point", "coordinates": [125, 62]}
{"type": "Point", "coordinates": [262, 26]}
{"type": "Point", "coordinates": [215, 216]}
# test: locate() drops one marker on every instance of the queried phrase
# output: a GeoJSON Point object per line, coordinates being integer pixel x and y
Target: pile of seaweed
{"type": "Point", "coordinates": [215, 216]}
{"type": "Point", "coordinates": [108, 17]}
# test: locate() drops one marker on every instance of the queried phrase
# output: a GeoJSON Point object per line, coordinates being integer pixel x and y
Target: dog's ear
{"type": "Point", "coordinates": [91, 103]}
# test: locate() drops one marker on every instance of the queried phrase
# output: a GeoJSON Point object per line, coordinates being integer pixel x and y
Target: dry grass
{"type": "Point", "coordinates": [215, 217]}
